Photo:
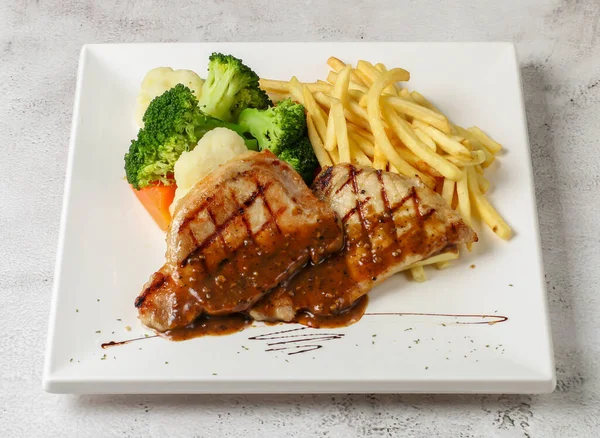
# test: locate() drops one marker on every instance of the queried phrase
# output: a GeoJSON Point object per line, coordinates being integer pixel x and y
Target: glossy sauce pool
{"type": "Point", "coordinates": [209, 326]}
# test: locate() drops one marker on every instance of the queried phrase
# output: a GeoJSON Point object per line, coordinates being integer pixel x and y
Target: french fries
{"type": "Point", "coordinates": [418, 274]}
{"type": "Point", "coordinates": [488, 213]}
{"type": "Point", "coordinates": [317, 145]}
{"type": "Point", "coordinates": [412, 142]}
{"type": "Point", "coordinates": [440, 258]}
{"type": "Point", "coordinates": [361, 115]}
{"type": "Point", "coordinates": [421, 113]}
{"type": "Point", "coordinates": [488, 142]}
{"type": "Point", "coordinates": [341, 131]}
{"type": "Point", "coordinates": [446, 143]}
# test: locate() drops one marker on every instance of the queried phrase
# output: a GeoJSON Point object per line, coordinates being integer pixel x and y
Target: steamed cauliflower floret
{"type": "Point", "coordinates": [161, 79]}
{"type": "Point", "coordinates": [215, 148]}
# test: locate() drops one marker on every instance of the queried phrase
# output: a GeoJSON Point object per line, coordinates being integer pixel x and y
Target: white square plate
{"type": "Point", "coordinates": [109, 246]}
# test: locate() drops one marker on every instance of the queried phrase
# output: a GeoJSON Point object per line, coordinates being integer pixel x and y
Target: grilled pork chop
{"type": "Point", "coordinates": [389, 223]}
{"type": "Point", "coordinates": [239, 232]}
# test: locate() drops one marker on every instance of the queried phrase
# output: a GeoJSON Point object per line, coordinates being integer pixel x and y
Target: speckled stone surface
{"type": "Point", "coordinates": [559, 48]}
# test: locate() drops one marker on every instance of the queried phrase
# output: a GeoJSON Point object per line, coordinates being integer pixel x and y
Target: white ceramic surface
{"type": "Point", "coordinates": [109, 246]}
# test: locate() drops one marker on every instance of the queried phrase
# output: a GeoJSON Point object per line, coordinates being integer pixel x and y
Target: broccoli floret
{"type": "Point", "coordinates": [250, 98]}
{"type": "Point", "coordinates": [282, 130]}
{"type": "Point", "coordinates": [173, 123]}
{"type": "Point", "coordinates": [302, 158]}
{"type": "Point", "coordinates": [277, 128]}
{"type": "Point", "coordinates": [230, 87]}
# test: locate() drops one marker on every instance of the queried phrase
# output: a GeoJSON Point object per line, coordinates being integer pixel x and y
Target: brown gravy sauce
{"type": "Point", "coordinates": [343, 319]}
{"type": "Point", "coordinates": [209, 326]}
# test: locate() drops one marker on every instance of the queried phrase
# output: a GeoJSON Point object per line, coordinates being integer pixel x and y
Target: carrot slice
{"type": "Point", "coordinates": [156, 199]}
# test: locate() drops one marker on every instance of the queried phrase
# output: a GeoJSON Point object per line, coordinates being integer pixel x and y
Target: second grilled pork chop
{"type": "Point", "coordinates": [389, 223]}
{"type": "Point", "coordinates": [238, 233]}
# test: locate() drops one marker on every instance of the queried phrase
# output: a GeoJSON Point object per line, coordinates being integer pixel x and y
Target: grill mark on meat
{"type": "Point", "coordinates": [427, 215]}
{"type": "Point", "coordinates": [353, 173]}
{"type": "Point", "coordinates": [219, 229]}
{"type": "Point", "coordinates": [192, 215]}
{"type": "Point", "coordinates": [214, 221]}
{"type": "Point", "coordinates": [242, 214]}
{"type": "Point", "coordinates": [355, 209]}
{"type": "Point", "coordinates": [411, 194]}
{"type": "Point", "coordinates": [200, 258]}
{"type": "Point", "coordinates": [322, 182]}
{"type": "Point", "coordinates": [386, 204]}
{"type": "Point", "coordinates": [267, 206]}
{"type": "Point", "coordinates": [186, 222]}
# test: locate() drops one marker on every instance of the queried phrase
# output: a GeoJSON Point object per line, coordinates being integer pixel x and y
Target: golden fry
{"type": "Point", "coordinates": [427, 140]}
{"type": "Point", "coordinates": [488, 213]}
{"type": "Point", "coordinates": [274, 85]}
{"type": "Point", "coordinates": [379, 161]}
{"type": "Point", "coordinates": [335, 63]}
{"type": "Point", "coordinates": [420, 99]}
{"type": "Point", "coordinates": [492, 145]}
{"type": "Point", "coordinates": [330, 138]}
{"type": "Point", "coordinates": [316, 112]}
{"type": "Point", "coordinates": [341, 131]}
{"type": "Point", "coordinates": [357, 156]}
{"type": "Point", "coordinates": [407, 155]}
{"type": "Point", "coordinates": [362, 78]}
{"type": "Point", "coordinates": [418, 274]}
{"type": "Point", "coordinates": [440, 258]}
{"type": "Point", "coordinates": [419, 112]}
{"type": "Point", "coordinates": [443, 141]}
{"type": "Point", "coordinates": [355, 94]}
{"type": "Point", "coordinates": [359, 111]}
{"type": "Point", "coordinates": [448, 190]}
{"type": "Point", "coordinates": [365, 133]}
{"type": "Point", "coordinates": [464, 202]}
{"type": "Point", "coordinates": [332, 77]}
{"type": "Point", "coordinates": [391, 89]}
{"type": "Point", "coordinates": [316, 143]}
{"type": "Point", "coordinates": [476, 144]}
{"type": "Point", "coordinates": [325, 101]}
{"type": "Point", "coordinates": [364, 144]}
{"type": "Point", "coordinates": [276, 97]}
{"type": "Point", "coordinates": [282, 87]}
{"type": "Point", "coordinates": [295, 88]}
{"type": "Point", "coordinates": [477, 157]}
{"type": "Point", "coordinates": [483, 183]}
{"type": "Point", "coordinates": [340, 89]}
{"type": "Point", "coordinates": [367, 69]}
{"type": "Point", "coordinates": [404, 132]}
{"type": "Point", "coordinates": [335, 156]}
{"type": "Point", "coordinates": [405, 94]}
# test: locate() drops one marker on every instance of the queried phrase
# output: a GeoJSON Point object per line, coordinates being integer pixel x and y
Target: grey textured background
{"type": "Point", "coordinates": [559, 48]}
